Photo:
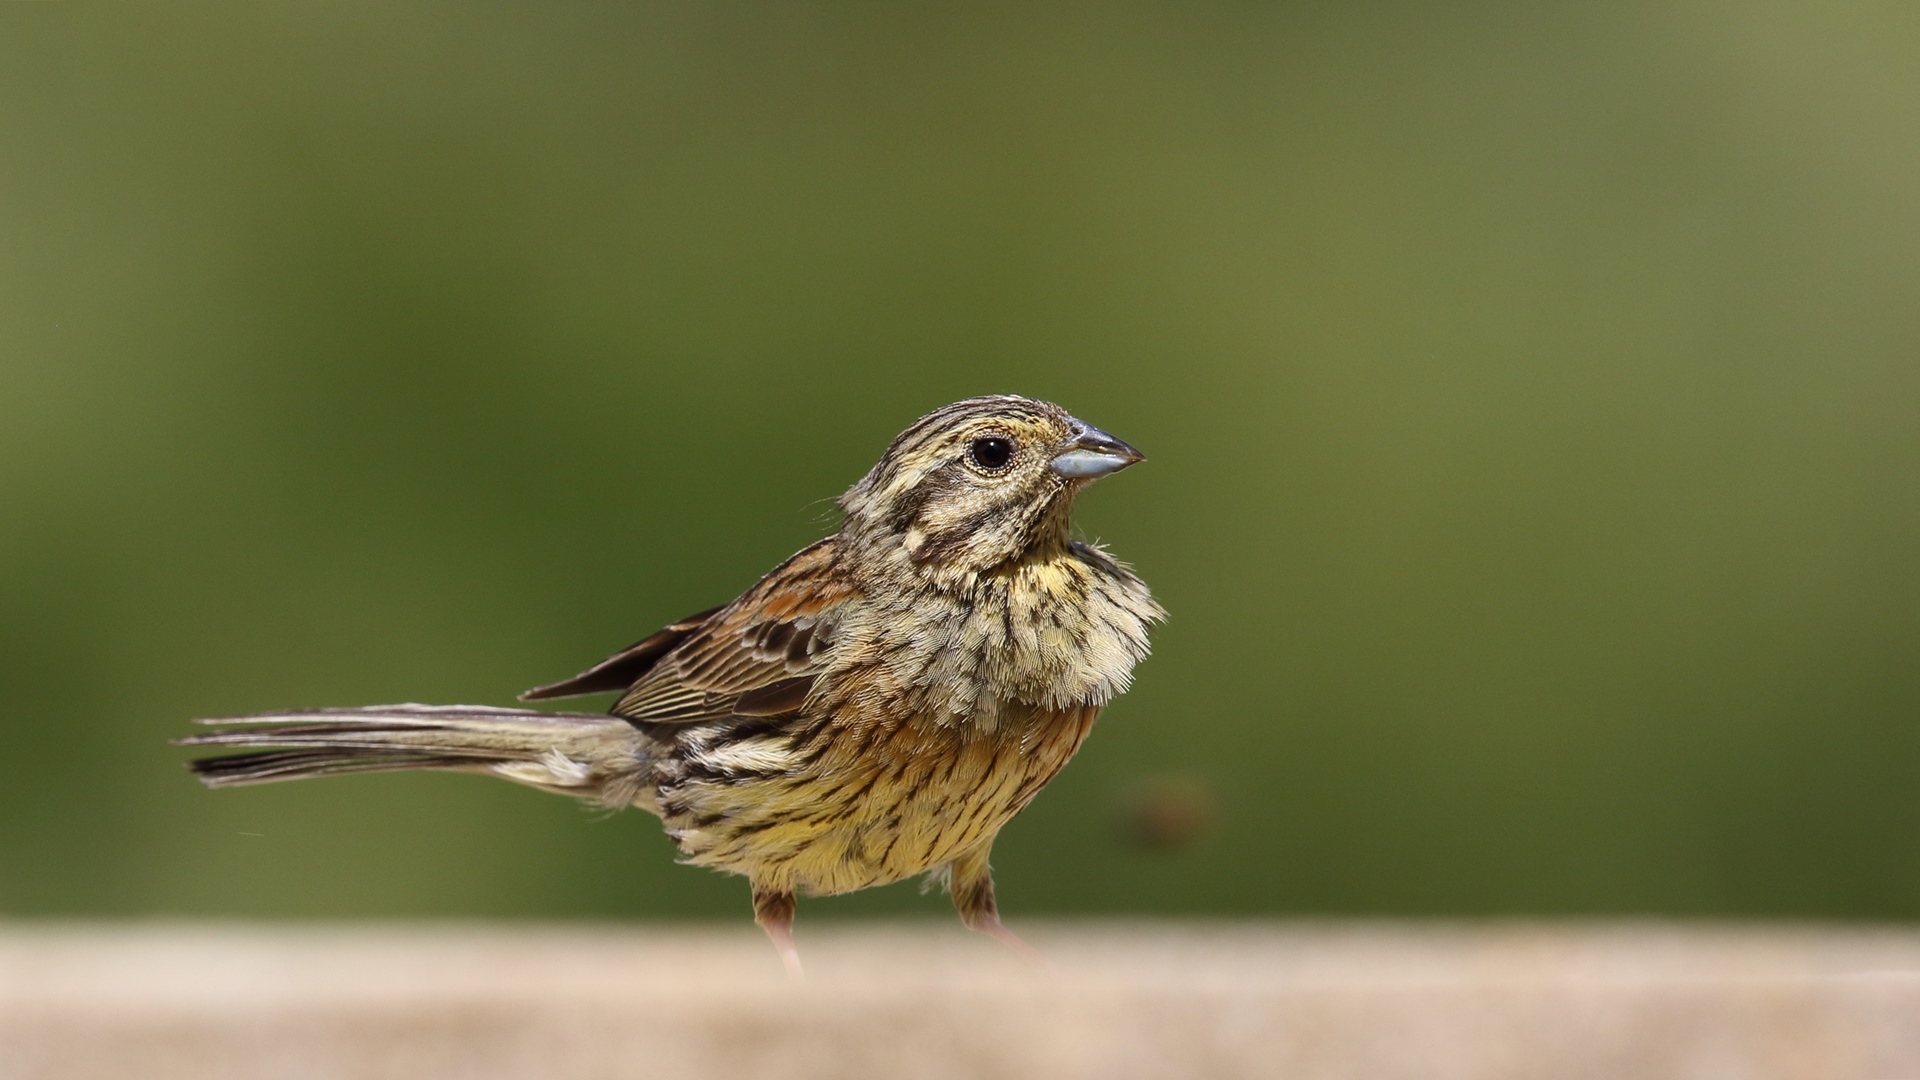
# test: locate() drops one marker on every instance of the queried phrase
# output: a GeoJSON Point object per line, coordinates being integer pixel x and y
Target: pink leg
{"type": "Point", "coordinates": [774, 912]}
{"type": "Point", "coordinates": [971, 885]}
{"type": "Point", "coordinates": [997, 930]}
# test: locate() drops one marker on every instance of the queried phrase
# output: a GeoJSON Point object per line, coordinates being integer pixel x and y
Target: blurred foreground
{"type": "Point", "coordinates": [1302, 1000]}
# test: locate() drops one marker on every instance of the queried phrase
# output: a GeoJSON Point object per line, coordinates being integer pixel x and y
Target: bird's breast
{"type": "Point", "coordinates": [885, 800]}
{"type": "Point", "coordinates": [1053, 633]}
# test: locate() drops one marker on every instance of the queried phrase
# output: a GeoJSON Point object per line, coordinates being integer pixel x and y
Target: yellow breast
{"type": "Point", "coordinates": [880, 804]}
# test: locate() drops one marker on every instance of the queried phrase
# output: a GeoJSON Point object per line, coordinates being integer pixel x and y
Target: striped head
{"type": "Point", "coordinates": [980, 483]}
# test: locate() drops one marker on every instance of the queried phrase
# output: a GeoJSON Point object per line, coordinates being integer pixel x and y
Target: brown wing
{"type": "Point", "coordinates": [624, 668]}
{"type": "Point", "coordinates": [757, 656]}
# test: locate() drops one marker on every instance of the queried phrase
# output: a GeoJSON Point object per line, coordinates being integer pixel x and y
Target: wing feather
{"type": "Point", "coordinates": [758, 656]}
{"type": "Point", "coordinates": [626, 667]}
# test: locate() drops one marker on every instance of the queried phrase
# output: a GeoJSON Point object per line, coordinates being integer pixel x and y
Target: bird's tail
{"type": "Point", "coordinates": [584, 754]}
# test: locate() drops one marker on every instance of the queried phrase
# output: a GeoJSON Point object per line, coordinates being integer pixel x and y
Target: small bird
{"type": "Point", "coordinates": [876, 707]}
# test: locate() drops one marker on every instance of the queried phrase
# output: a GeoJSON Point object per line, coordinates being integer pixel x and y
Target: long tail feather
{"type": "Point", "coordinates": [585, 754]}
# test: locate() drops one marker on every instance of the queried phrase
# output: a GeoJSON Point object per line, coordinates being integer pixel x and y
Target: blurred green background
{"type": "Point", "coordinates": [1533, 396]}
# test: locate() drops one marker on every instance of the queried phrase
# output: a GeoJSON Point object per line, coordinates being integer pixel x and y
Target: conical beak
{"type": "Point", "coordinates": [1093, 453]}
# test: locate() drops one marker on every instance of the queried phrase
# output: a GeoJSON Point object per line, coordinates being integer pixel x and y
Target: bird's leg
{"type": "Point", "coordinates": [970, 883]}
{"type": "Point", "coordinates": [774, 912]}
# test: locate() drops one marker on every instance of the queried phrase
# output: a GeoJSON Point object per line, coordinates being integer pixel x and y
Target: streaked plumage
{"type": "Point", "coordinates": [876, 707]}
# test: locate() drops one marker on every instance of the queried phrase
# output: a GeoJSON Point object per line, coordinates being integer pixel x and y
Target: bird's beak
{"type": "Point", "coordinates": [1093, 453]}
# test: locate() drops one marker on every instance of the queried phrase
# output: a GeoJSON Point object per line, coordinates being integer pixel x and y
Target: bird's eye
{"type": "Point", "coordinates": [991, 453]}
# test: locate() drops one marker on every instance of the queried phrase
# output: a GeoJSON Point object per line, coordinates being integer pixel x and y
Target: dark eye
{"type": "Point", "coordinates": [991, 453]}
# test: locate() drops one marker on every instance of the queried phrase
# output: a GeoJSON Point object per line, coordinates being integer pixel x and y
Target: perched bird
{"type": "Point", "coordinates": [876, 707]}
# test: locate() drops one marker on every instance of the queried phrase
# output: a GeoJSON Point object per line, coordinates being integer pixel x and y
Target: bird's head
{"type": "Point", "coordinates": [980, 483]}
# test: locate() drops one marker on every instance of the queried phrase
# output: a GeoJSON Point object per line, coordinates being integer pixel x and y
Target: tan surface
{"type": "Point", "coordinates": [1298, 1000]}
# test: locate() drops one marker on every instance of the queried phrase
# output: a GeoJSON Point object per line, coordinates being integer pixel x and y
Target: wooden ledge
{"type": "Point", "coordinates": [1308, 1001]}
